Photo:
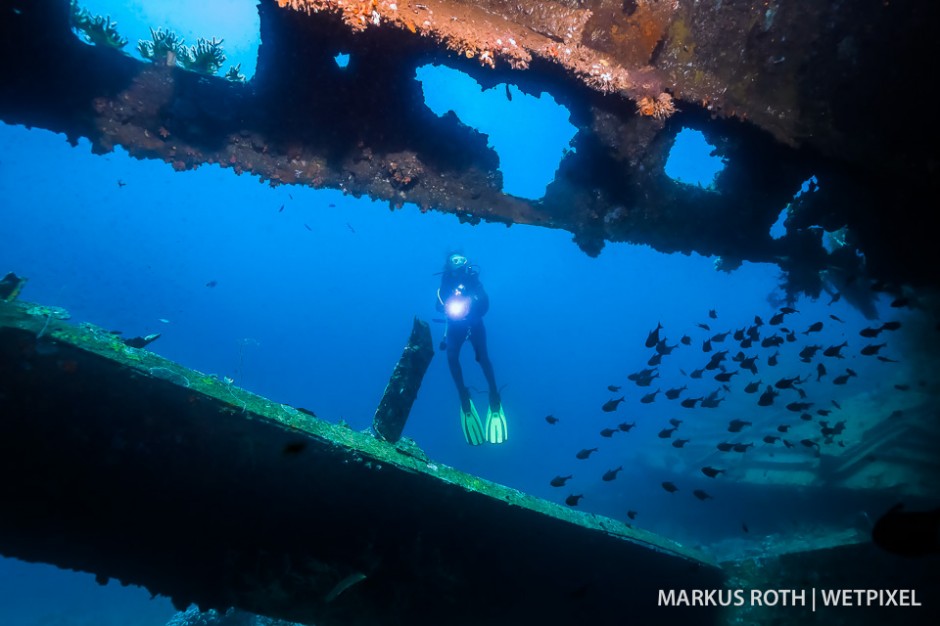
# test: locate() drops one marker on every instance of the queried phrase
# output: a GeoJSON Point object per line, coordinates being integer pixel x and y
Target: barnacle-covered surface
{"type": "Point", "coordinates": [784, 90]}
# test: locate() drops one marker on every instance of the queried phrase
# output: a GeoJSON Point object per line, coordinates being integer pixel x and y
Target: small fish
{"type": "Point", "coordinates": [675, 422]}
{"type": "Point", "coordinates": [806, 417]}
{"type": "Point", "coordinates": [665, 350]}
{"type": "Point", "coordinates": [813, 328]}
{"type": "Point", "coordinates": [869, 332]}
{"type": "Point", "coordinates": [508, 93]}
{"type": "Point", "coordinates": [735, 426]}
{"type": "Point", "coordinates": [711, 472]}
{"type": "Point", "coordinates": [585, 453]}
{"type": "Point", "coordinates": [749, 364]}
{"type": "Point", "coordinates": [738, 335]}
{"type": "Point", "coordinates": [653, 337]}
{"type": "Point", "coordinates": [782, 428]}
{"type": "Point", "coordinates": [613, 388]}
{"type": "Point", "coordinates": [609, 432]}
{"type": "Point", "coordinates": [776, 319]}
{"type": "Point", "coordinates": [772, 359]}
{"type": "Point", "coordinates": [758, 321]}
{"type": "Point", "coordinates": [725, 446]}
{"type": "Point", "coordinates": [686, 340]}
{"type": "Point", "coordinates": [767, 398]}
{"type": "Point", "coordinates": [742, 447]}
{"type": "Point", "coordinates": [666, 433]}
{"type": "Point", "coordinates": [690, 403]}
{"type": "Point", "coordinates": [872, 348]}
{"type": "Point", "coordinates": [307, 226]}
{"type": "Point", "coordinates": [752, 387]}
{"type": "Point", "coordinates": [891, 326]}
{"type": "Point", "coordinates": [836, 404]}
{"type": "Point", "coordinates": [844, 378]}
{"type": "Point", "coordinates": [281, 210]}
{"type": "Point", "coordinates": [823, 412]}
{"type": "Point", "coordinates": [572, 500]}
{"type": "Point", "coordinates": [650, 397]}
{"type": "Point", "coordinates": [349, 226]}
{"type": "Point", "coordinates": [655, 360]}
{"type": "Point", "coordinates": [331, 205]}
{"type": "Point", "coordinates": [551, 419]}
{"type": "Point", "coordinates": [707, 345]}
{"type": "Point", "coordinates": [770, 342]}
{"type": "Point", "coordinates": [559, 481]}
{"type": "Point", "coordinates": [809, 443]}
{"type": "Point", "coordinates": [835, 351]}
{"type": "Point", "coordinates": [610, 475]}
{"type": "Point", "coordinates": [704, 327]}
{"type": "Point", "coordinates": [820, 371]}
{"type": "Point", "coordinates": [631, 514]}
{"type": "Point", "coordinates": [670, 487]}
{"type": "Point", "coordinates": [796, 407]}
{"type": "Point", "coordinates": [809, 352]}
{"type": "Point", "coordinates": [679, 443]}
{"type": "Point", "coordinates": [701, 495]}
{"type": "Point", "coordinates": [787, 383]}
{"type": "Point", "coordinates": [725, 377]}
{"type": "Point", "coordinates": [885, 359]}
{"type": "Point", "coordinates": [712, 314]}
{"type": "Point", "coordinates": [624, 427]}
{"type": "Point", "coordinates": [770, 439]}
{"type": "Point", "coordinates": [211, 283]}
{"type": "Point", "coordinates": [718, 338]}
{"type": "Point", "coordinates": [697, 373]}
{"type": "Point", "coordinates": [121, 183]}
{"type": "Point", "coordinates": [611, 405]}
{"type": "Point", "coordinates": [673, 393]}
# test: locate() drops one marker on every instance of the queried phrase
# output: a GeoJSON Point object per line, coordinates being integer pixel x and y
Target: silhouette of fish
{"type": "Point", "coordinates": [666, 433]}
{"type": "Point", "coordinates": [559, 481]}
{"type": "Point", "coordinates": [631, 514]}
{"type": "Point", "coordinates": [686, 340]}
{"type": "Point", "coordinates": [767, 398]}
{"type": "Point", "coordinates": [820, 371]}
{"type": "Point", "coordinates": [653, 338]}
{"type": "Point", "coordinates": [675, 422]}
{"type": "Point", "coordinates": [742, 447]}
{"type": "Point", "coordinates": [624, 427]}
{"type": "Point", "coordinates": [725, 377]}
{"type": "Point", "coordinates": [610, 475]}
{"type": "Point", "coordinates": [735, 426]}
{"type": "Point", "coordinates": [891, 326]}
{"type": "Point", "coordinates": [701, 495]}
{"type": "Point", "coordinates": [725, 446]}
{"type": "Point", "coordinates": [835, 351]}
{"type": "Point", "coordinates": [679, 443]}
{"type": "Point", "coordinates": [813, 328]}
{"type": "Point", "coordinates": [585, 453]}
{"type": "Point", "coordinates": [611, 405]}
{"type": "Point", "coordinates": [650, 397]}
{"type": "Point", "coordinates": [872, 348]}
{"type": "Point", "coordinates": [711, 472]}
{"type": "Point", "coordinates": [690, 403]}
{"type": "Point", "coordinates": [609, 432]}
{"type": "Point", "coordinates": [673, 393]}
{"type": "Point", "coordinates": [753, 386]}
{"type": "Point", "coordinates": [573, 500]}
{"type": "Point", "coordinates": [551, 419]}
{"type": "Point", "coordinates": [870, 332]}
{"type": "Point", "coordinates": [670, 487]}
{"type": "Point", "coordinates": [712, 314]}
{"type": "Point", "coordinates": [796, 407]}
{"type": "Point", "coordinates": [771, 439]}
{"type": "Point", "coordinates": [663, 350]}
{"type": "Point", "coordinates": [782, 428]}
{"type": "Point", "coordinates": [613, 388]}
{"type": "Point", "coordinates": [655, 360]}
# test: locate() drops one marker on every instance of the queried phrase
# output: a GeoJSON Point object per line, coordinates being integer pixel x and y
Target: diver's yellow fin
{"type": "Point", "coordinates": [472, 426]}
{"type": "Point", "coordinates": [496, 431]}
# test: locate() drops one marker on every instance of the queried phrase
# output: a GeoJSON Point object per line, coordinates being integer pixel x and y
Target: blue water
{"type": "Point", "coordinates": [313, 299]}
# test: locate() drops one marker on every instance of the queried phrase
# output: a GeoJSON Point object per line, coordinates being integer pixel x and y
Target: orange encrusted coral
{"type": "Point", "coordinates": [659, 108]}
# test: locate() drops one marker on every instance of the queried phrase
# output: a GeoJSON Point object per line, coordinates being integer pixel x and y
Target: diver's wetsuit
{"type": "Point", "coordinates": [471, 327]}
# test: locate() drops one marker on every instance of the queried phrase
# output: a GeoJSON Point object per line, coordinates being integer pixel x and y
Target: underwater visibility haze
{"type": "Point", "coordinates": [665, 391]}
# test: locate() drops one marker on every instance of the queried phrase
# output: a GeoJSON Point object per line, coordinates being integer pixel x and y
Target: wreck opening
{"type": "Point", "coordinates": [692, 160]}
{"type": "Point", "coordinates": [530, 133]}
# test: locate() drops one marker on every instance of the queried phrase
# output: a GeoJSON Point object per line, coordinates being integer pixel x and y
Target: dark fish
{"type": "Point", "coordinates": [782, 428]}
{"type": "Point", "coordinates": [791, 337]}
{"type": "Point", "coordinates": [725, 447]}
{"type": "Point", "coordinates": [611, 405]}
{"type": "Point", "coordinates": [844, 378]}
{"type": "Point", "coordinates": [767, 398]}
{"type": "Point", "coordinates": [787, 383]}
{"type": "Point", "coordinates": [280, 210]}
{"type": "Point", "coordinates": [820, 371]}
{"type": "Point", "coordinates": [10, 286]}
{"type": "Point", "coordinates": [707, 345]}
{"type": "Point", "coordinates": [666, 433]}
{"type": "Point", "coordinates": [735, 426]}
{"type": "Point", "coordinates": [738, 335]}
{"type": "Point", "coordinates": [772, 359]}
{"type": "Point", "coordinates": [711, 472]}
{"type": "Point", "coordinates": [294, 447]}
{"type": "Point", "coordinates": [663, 349]}
{"type": "Point", "coordinates": [813, 328]}
{"type": "Point", "coordinates": [835, 298]}
{"type": "Point", "coordinates": [758, 321]}
{"type": "Point", "coordinates": [869, 332]}
{"type": "Point", "coordinates": [559, 481]}
{"type": "Point", "coordinates": [787, 443]}
{"type": "Point", "coordinates": [776, 319]}
{"type": "Point", "coordinates": [823, 412]}
{"type": "Point", "coordinates": [508, 93]}
{"type": "Point", "coordinates": [331, 205]}
{"type": "Point", "coordinates": [670, 487]}
{"type": "Point", "coordinates": [572, 500]}
{"type": "Point", "coordinates": [686, 340]}
{"type": "Point", "coordinates": [675, 422]}
{"type": "Point", "coordinates": [690, 403]}
{"type": "Point", "coordinates": [806, 417]}
{"type": "Point", "coordinates": [908, 533]}
{"type": "Point", "coordinates": [673, 393]}
{"type": "Point", "coordinates": [770, 342]}
{"type": "Point", "coordinates": [796, 407]}
{"type": "Point", "coordinates": [737, 358]}
{"type": "Point", "coordinates": [835, 351]}
{"type": "Point", "coordinates": [770, 439]}
{"type": "Point", "coordinates": [678, 443]}
{"type": "Point", "coordinates": [624, 427]}
{"type": "Point", "coordinates": [809, 443]}
{"type": "Point", "coordinates": [650, 397]}
{"type": "Point", "coordinates": [747, 343]}
{"type": "Point", "coordinates": [752, 387]}
{"type": "Point", "coordinates": [836, 404]}
{"type": "Point", "coordinates": [890, 326]}
{"type": "Point", "coordinates": [609, 432]}
{"type": "Point", "coordinates": [349, 226]}
{"type": "Point", "coordinates": [656, 359]}
{"type": "Point", "coordinates": [140, 342]}
{"type": "Point", "coordinates": [719, 337]}
{"type": "Point", "coordinates": [788, 310]}
{"type": "Point", "coordinates": [631, 514]}
{"type": "Point", "coordinates": [872, 348]}
{"type": "Point", "coordinates": [613, 388]}
{"type": "Point", "coordinates": [653, 337]}
{"type": "Point", "coordinates": [742, 447]}
{"type": "Point", "coordinates": [885, 359]}
{"type": "Point", "coordinates": [809, 352]}
{"type": "Point", "coordinates": [121, 183]}
{"type": "Point", "coordinates": [585, 453]}
{"type": "Point", "coordinates": [704, 327]}
{"type": "Point", "coordinates": [712, 401]}
{"type": "Point", "coordinates": [306, 411]}
{"type": "Point", "coordinates": [551, 419]}
{"type": "Point", "coordinates": [725, 377]}
{"type": "Point", "coordinates": [701, 495]}
{"type": "Point", "coordinates": [697, 373]}
{"type": "Point", "coordinates": [712, 314]}
{"type": "Point", "coordinates": [307, 227]}
{"type": "Point", "coordinates": [749, 364]}
{"type": "Point", "coordinates": [609, 475]}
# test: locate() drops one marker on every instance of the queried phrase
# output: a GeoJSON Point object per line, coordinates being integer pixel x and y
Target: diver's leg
{"type": "Point", "coordinates": [478, 341]}
{"type": "Point", "coordinates": [456, 335]}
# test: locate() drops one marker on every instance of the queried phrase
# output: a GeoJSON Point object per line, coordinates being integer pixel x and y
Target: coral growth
{"type": "Point", "coordinates": [164, 48]}
{"type": "Point", "coordinates": [659, 108]}
{"type": "Point", "coordinates": [95, 29]}
{"type": "Point", "coordinates": [234, 74]}
{"type": "Point", "coordinates": [206, 57]}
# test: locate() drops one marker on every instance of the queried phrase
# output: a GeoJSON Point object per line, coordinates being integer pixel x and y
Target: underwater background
{"type": "Point", "coordinates": [307, 297]}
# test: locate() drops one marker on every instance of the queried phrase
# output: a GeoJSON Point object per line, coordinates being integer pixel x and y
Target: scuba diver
{"type": "Point", "coordinates": [464, 302]}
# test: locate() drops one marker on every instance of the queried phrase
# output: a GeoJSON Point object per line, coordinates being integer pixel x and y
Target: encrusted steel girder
{"type": "Point", "coordinates": [784, 91]}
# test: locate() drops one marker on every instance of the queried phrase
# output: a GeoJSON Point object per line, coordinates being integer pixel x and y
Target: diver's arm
{"type": "Point", "coordinates": [481, 301]}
